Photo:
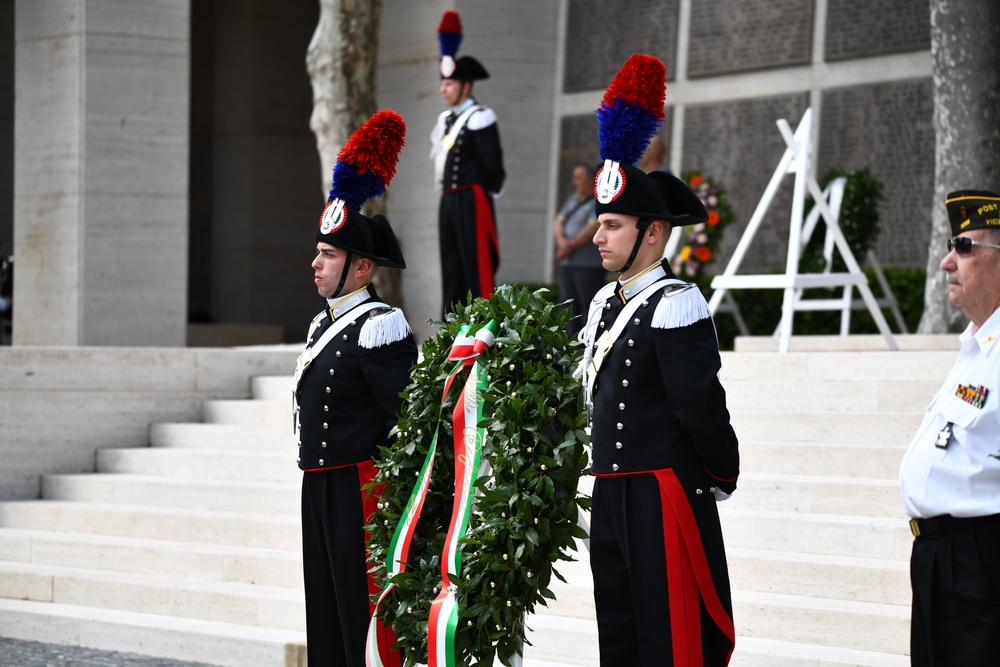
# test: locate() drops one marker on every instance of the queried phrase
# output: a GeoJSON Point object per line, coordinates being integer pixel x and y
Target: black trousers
{"type": "Point", "coordinates": [628, 561]}
{"type": "Point", "coordinates": [334, 568]}
{"type": "Point", "coordinates": [955, 578]}
{"type": "Point", "coordinates": [458, 241]}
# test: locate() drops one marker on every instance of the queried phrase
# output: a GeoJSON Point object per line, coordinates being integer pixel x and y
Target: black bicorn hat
{"type": "Point", "coordinates": [630, 114]}
{"type": "Point", "coordinates": [656, 195]}
{"type": "Point", "coordinates": [465, 68]}
{"type": "Point", "coordinates": [365, 165]}
{"type": "Point", "coordinates": [972, 209]}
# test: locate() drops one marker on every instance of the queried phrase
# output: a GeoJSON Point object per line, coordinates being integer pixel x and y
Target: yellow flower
{"type": "Point", "coordinates": [685, 253]}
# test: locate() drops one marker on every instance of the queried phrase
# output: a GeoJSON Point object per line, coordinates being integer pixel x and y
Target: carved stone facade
{"type": "Point", "coordinates": [729, 36]}
{"type": "Point", "coordinates": [595, 47]}
{"type": "Point", "coordinates": [864, 28]}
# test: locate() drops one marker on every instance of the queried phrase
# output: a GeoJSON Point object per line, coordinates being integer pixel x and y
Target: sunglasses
{"type": "Point", "coordinates": [962, 245]}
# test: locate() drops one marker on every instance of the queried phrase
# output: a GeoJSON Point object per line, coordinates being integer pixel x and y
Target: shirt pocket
{"type": "Point", "coordinates": [961, 414]}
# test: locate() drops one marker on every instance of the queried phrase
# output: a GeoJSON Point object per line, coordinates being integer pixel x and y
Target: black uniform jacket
{"type": "Point", "coordinates": [657, 400]}
{"type": "Point", "coordinates": [348, 398]}
{"type": "Point", "coordinates": [476, 157]}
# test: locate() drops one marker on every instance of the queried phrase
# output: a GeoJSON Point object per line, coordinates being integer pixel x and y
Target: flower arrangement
{"type": "Point", "coordinates": [524, 518]}
{"type": "Point", "coordinates": [699, 243]}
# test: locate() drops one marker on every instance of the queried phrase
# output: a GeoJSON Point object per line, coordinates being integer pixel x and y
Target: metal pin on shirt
{"type": "Point", "coordinates": [944, 436]}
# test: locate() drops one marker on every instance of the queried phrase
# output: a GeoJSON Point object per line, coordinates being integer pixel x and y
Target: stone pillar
{"type": "Point", "coordinates": [6, 128]}
{"type": "Point", "coordinates": [101, 172]}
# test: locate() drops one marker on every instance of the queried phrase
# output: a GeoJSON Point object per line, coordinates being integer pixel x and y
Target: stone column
{"type": "Point", "coordinates": [101, 172]}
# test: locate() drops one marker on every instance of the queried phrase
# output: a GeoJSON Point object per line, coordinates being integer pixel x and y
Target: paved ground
{"type": "Point", "coordinates": [17, 653]}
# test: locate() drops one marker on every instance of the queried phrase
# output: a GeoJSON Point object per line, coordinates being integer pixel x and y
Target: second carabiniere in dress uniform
{"type": "Point", "coordinates": [663, 448]}
{"type": "Point", "coordinates": [357, 360]}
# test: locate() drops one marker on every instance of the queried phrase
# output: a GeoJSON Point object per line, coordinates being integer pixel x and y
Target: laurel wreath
{"type": "Point", "coordinates": [525, 517]}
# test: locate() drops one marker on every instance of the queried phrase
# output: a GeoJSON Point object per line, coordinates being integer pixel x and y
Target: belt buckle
{"type": "Point", "coordinates": [915, 527]}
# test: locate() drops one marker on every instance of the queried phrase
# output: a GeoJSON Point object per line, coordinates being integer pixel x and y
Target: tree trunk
{"type": "Point", "coordinates": [341, 63]}
{"type": "Point", "coordinates": [965, 48]}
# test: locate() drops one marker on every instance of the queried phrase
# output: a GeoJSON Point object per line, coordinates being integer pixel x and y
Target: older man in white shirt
{"type": "Point", "coordinates": [950, 475]}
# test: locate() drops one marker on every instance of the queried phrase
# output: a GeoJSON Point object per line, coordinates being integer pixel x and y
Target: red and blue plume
{"type": "Point", "coordinates": [367, 162]}
{"type": "Point", "coordinates": [631, 111]}
{"type": "Point", "coordinates": [450, 33]}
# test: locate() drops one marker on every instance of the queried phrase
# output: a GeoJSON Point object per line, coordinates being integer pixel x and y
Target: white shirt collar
{"type": "Point", "coordinates": [985, 336]}
{"type": "Point", "coordinates": [463, 106]}
{"type": "Point", "coordinates": [342, 304]}
{"type": "Point", "coordinates": [640, 282]}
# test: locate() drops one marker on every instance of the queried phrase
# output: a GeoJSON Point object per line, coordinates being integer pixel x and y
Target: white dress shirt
{"type": "Point", "coordinates": [950, 466]}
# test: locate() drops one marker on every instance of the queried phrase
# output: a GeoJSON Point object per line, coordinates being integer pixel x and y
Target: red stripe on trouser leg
{"type": "Point", "coordinates": [689, 568]}
{"type": "Point", "coordinates": [685, 616]}
{"type": "Point", "coordinates": [486, 241]}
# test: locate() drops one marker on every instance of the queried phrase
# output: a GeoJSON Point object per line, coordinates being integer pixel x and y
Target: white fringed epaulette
{"type": "Point", "coordinates": [383, 326]}
{"type": "Point", "coordinates": [481, 117]}
{"type": "Point", "coordinates": [680, 307]}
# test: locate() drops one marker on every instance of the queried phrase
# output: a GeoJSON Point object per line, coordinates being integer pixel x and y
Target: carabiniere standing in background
{"type": "Point", "coordinates": [468, 169]}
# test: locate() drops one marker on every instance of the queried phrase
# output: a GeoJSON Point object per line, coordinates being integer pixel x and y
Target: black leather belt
{"type": "Point", "coordinates": [940, 525]}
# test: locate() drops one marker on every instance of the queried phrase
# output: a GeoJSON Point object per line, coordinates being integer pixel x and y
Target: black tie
{"type": "Point", "coordinates": [449, 121]}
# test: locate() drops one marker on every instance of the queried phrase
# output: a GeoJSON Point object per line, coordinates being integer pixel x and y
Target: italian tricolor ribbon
{"type": "Point", "coordinates": [469, 441]}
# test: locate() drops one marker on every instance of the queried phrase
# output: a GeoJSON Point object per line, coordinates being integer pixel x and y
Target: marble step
{"type": "Point", "coordinates": [857, 428]}
{"type": "Point", "coordinates": [254, 412]}
{"type": "Point", "coordinates": [556, 642]}
{"type": "Point", "coordinates": [858, 381]}
{"type": "Point", "coordinates": [869, 343]}
{"type": "Point", "coordinates": [829, 534]}
{"type": "Point", "coordinates": [272, 387]}
{"type": "Point", "coordinates": [173, 637]}
{"type": "Point", "coordinates": [864, 626]}
{"type": "Point", "coordinates": [861, 367]}
{"type": "Point", "coordinates": [173, 492]}
{"type": "Point", "coordinates": [846, 578]}
{"type": "Point", "coordinates": [229, 645]}
{"type": "Point", "coordinates": [757, 610]}
{"type": "Point", "coordinates": [822, 457]}
{"type": "Point", "coordinates": [562, 639]}
{"type": "Point", "coordinates": [770, 391]}
{"type": "Point", "coordinates": [756, 652]}
{"type": "Point", "coordinates": [265, 531]}
{"type": "Point", "coordinates": [771, 630]}
{"type": "Point", "coordinates": [802, 423]}
{"type": "Point", "coordinates": [221, 464]}
{"type": "Point", "coordinates": [242, 437]}
{"type": "Point", "coordinates": [858, 496]}
{"type": "Point", "coordinates": [779, 456]}
{"type": "Point", "coordinates": [135, 555]}
{"type": "Point", "coordinates": [218, 601]}
{"type": "Point", "coordinates": [829, 395]}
